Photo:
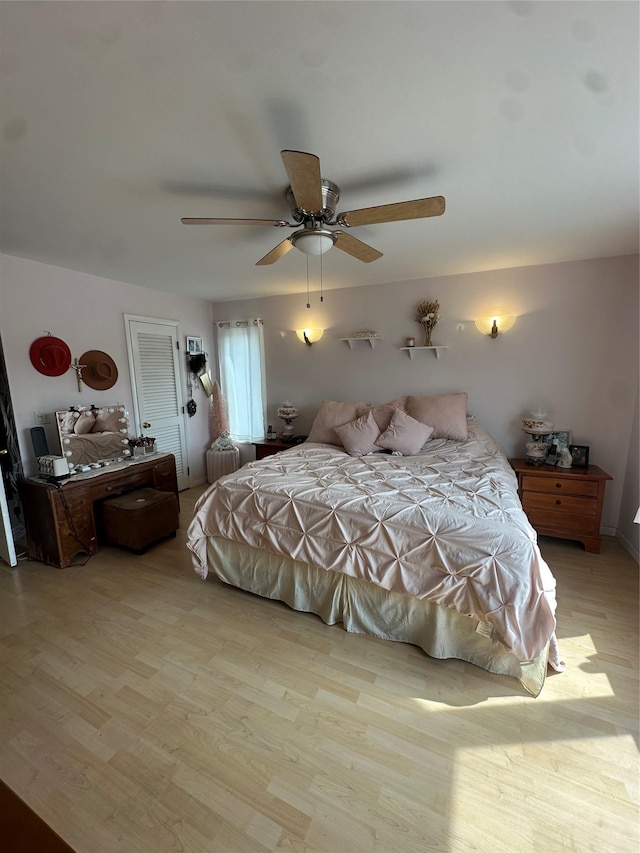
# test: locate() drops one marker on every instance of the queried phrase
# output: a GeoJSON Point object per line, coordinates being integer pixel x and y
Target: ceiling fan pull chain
{"type": "Point", "coordinates": [321, 296]}
{"type": "Point", "coordinates": [308, 302]}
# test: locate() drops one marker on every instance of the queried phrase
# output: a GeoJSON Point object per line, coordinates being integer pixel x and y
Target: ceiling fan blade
{"type": "Point", "coordinates": [353, 246]}
{"type": "Point", "coordinates": [276, 253]}
{"type": "Point", "coordinates": [303, 171]}
{"type": "Point", "coordinates": [208, 221]}
{"type": "Point", "coordinates": [397, 212]}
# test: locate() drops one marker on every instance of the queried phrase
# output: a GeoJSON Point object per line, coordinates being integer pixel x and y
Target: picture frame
{"type": "Point", "coordinates": [556, 441]}
{"type": "Point", "coordinates": [579, 455]}
{"type": "Point", "coordinates": [194, 345]}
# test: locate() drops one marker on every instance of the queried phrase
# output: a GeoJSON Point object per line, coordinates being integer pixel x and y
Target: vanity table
{"type": "Point", "coordinates": [60, 517]}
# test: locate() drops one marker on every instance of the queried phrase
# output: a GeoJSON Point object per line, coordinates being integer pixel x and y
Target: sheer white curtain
{"type": "Point", "coordinates": [241, 360]}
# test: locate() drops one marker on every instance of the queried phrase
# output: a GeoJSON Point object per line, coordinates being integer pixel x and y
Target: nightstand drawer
{"type": "Point", "coordinates": [559, 485]}
{"type": "Point", "coordinates": [552, 523]}
{"type": "Point", "coordinates": [559, 503]}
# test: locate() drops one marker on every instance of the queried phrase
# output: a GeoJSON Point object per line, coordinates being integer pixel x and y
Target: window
{"type": "Point", "coordinates": [241, 359]}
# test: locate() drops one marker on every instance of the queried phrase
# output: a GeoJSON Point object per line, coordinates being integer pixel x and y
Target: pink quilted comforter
{"type": "Point", "coordinates": [445, 525]}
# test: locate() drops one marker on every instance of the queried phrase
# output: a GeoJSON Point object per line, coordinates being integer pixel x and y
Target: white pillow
{"type": "Point", "coordinates": [405, 434]}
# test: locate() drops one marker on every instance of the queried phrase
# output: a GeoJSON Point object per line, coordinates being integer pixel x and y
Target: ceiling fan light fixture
{"type": "Point", "coordinates": [313, 242]}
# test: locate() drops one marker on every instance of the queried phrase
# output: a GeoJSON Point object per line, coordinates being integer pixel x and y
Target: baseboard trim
{"type": "Point", "coordinates": [628, 546]}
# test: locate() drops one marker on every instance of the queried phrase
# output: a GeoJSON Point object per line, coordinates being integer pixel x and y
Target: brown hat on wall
{"type": "Point", "coordinates": [50, 356]}
{"type": "Point", "coordinates": [99, 370]}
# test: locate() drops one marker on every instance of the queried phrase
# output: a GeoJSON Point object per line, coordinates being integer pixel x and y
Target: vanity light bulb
{"type": "Point", "coordinates": [67, 441]}
{"type": "Point", "coordinates": [68, 453]}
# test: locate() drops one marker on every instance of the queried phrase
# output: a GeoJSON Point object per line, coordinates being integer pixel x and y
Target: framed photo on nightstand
{"type": "Point", "coordinates": [556, 441]}
{"type": "Point", "coordinates": [579, 455]}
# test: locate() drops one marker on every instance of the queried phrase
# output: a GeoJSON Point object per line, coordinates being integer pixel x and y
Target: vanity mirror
{"type": "Point", "coordinates": [92, 434]}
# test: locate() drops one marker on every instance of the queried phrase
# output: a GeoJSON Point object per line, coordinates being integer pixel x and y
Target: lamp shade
{"type": "Point", "coordinates": [312, 242]}
{"type": "Point", "coordinates": [309, 335]}
{"type": "Point", "coordinates": [288, 414]}
{"type": "Point", "coordinates": [501, 322]}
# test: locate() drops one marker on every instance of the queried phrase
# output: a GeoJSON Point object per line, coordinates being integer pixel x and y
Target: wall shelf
{"type": "Point", "coordinates": [435, 350]}
{"type": "Point", "coordinates": [372, 339]}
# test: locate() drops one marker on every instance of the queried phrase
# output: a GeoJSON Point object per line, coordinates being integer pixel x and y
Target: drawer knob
{"type": "Point", "coordinates": [558, 485]}
{"type": "Point", "coordinates": [558, 502]}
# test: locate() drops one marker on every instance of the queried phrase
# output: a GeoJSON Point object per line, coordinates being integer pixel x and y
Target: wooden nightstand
{"type": "Point", "coordinates": [270, 446]}
{"type": "Point", "coordinates": [563, 502]}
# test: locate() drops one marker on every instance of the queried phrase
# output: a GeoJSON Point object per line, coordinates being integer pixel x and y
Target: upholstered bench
{"type": "Point", "coordinates": [137, 519]}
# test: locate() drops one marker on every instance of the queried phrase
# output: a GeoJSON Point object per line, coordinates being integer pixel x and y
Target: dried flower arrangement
{"type": "Point", "coordinates": [427, 314]}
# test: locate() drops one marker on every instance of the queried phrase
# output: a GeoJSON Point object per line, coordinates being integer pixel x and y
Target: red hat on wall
{"type": "Point", "coordinates": [50, 356]}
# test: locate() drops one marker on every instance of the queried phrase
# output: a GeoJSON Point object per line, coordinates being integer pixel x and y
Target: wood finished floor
{"type": "Point", "coordinates": [142, 709]}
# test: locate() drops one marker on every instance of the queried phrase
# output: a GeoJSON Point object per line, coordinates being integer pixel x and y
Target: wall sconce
{"type": "Point", "coordinates": [492, 326]}
{"type": "Point", "coordinates": [309, 336]}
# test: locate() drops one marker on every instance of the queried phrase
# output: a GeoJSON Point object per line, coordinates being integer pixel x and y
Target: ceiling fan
{"type": "Point", "coordinates": [313, 201]}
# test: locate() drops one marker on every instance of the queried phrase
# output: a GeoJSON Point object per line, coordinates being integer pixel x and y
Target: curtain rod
{"type": "Point", "coordinates": [226, 324]}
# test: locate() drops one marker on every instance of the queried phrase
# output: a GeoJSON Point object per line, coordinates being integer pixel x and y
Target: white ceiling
{"type": "Point", "coordinates": [119, 118]}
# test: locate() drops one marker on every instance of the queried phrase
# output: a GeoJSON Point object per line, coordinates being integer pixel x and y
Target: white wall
{"type": "Point", "coordinates": [87, 313]}
{"type": "Point", "coordinates": [573, 350]}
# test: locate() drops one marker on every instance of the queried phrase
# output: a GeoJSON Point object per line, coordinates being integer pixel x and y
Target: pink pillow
{"type": "Point", "coordinates": [332, 414]}
{"type": "Point", "coordinates": [84, 423]}
{"type": "Point", "coordinates": [405, 434]}
{"type": "Point", "coordinates": [446, 413]}
{"type": "Point", "coordinates": [68, 421]}
{"type": "Point", "coordinates": [384, 413]}
{"type": "Point", "coordinates": [110, 419]}
{"type": "Point", "coordinates": [359, 437]}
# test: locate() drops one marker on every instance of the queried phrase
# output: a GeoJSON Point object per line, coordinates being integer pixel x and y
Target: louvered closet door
{"type": "Point", "coordinates": [155, 372]}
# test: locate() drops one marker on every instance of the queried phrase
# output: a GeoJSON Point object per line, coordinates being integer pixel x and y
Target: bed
{"type": "Point", "coordinates": [430, 547]}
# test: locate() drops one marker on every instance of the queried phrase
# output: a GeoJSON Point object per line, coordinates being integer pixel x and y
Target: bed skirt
{"type": "Point", "coordinates": [364, 608]}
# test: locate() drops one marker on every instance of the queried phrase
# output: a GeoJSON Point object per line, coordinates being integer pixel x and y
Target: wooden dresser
{"type": "Point", "coordinates": [61, 517]}
{"type": "Point", "coordinates": [563, 502]}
